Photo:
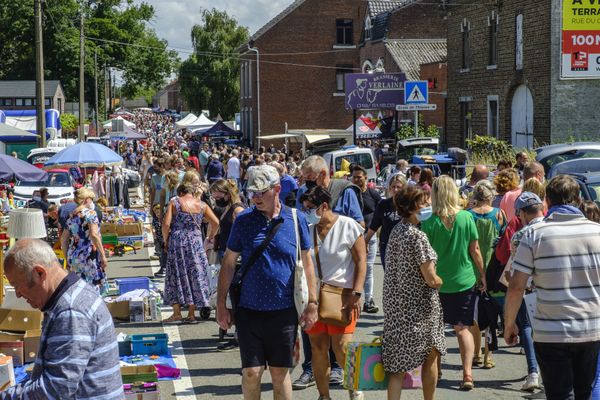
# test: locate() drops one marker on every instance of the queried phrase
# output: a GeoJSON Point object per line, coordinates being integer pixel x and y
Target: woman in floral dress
{"type": "Point", "coordinates": [187, 279]}
{"type": "Point", "coordinates": [82, 240]}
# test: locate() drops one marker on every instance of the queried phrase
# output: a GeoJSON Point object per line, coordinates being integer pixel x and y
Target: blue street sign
{"type": "Point", "coordinates": [416, 92]}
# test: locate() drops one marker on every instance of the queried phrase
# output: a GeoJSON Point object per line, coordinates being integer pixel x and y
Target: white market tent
{"type": "Point", "coordinates": [185, 121]}
{"type": "Point", "coordinates": [201, 122]}
{"type": "Point", "coordinates": [108, 124]}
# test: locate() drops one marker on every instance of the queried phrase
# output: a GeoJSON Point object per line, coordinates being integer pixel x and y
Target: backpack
{"type": "Point", "coordinates": [338, 186]}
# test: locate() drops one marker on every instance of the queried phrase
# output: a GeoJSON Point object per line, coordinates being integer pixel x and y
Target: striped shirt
{"type": "Point", "coordinates": [78, 356]}
{"type": "Point", "coordinates": [562, 254]}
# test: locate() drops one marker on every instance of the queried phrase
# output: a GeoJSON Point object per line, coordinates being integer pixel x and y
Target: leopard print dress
{"type": "Point", "coordinates": [413, 319]}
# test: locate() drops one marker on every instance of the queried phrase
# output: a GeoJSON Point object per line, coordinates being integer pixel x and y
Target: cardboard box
{"type": "Point", "coordinates": [14, 350]}
{"type": "Point", "coordinates": [139, 373]}
{"type": "Point", "coordinates": [137, 242]}
{"type": "Point", "coordinates": [119, 310]}
{"type": "Point", "coordinates": [31, 344]}
{"type": "Point", "coordinates": [7, 373]}
{"type": "Point", "coordinates": [19, 320]}
{"type": "Point", "coordinates": [143, 396]}
{"type": "Point", "coordinates": [106, 228]}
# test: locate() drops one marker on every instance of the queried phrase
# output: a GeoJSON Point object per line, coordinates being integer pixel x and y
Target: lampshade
{"type": "Point", "coordinates": [26, 223]}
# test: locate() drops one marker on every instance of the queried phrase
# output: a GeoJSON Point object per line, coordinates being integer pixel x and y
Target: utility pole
{"type": "Point", "coordinates": [39, 75]}
{"type": "Point", "coordinates": [81, 135]}
{"type": "Point", "coordinates": [96, 90]}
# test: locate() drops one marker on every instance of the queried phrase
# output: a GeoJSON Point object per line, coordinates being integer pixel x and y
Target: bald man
{"type": "Point", "coordinates": [480, 172]}
{"type": "Point", "coordinates": [78, 355]}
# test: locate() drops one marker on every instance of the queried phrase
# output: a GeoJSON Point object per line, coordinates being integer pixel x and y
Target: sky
{"type": "Point", "coordinates": [174, 19]}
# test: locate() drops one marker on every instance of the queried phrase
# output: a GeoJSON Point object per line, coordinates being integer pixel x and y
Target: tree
{"type": "Point", "coordinates": [116, 29]}
{"type": "Point", "coordinates": [209, 78]}
{"type": "Point", "coordinates": [69, 123]}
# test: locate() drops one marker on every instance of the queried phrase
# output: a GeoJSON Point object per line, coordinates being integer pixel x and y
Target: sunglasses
{"type": "Point", "coordinates": [258, 195]}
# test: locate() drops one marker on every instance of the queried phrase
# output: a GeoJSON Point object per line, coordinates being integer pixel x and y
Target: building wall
{"type": "Point", "coordinates": [418, 21]}
{"type": "Point", "coordinates": [304, 97]}
{"type": "Point", "coordinates": [573, 102]}
{"type": "Point", "coordinates": [437, 73]}
{"type": "Point", "coordinates": [480, 81]}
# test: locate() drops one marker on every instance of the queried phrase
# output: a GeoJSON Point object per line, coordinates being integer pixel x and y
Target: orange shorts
{"type": "Point", "coordinates": [321, 327]}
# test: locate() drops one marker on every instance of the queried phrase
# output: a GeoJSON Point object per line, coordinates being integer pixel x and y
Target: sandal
{"type": "Point", "coordinates": [477, 361]}
{"type": "Point", "coordinates": [488, 364]}
{"type": "Point", "coordinates": [172, 320]}
{"type": "Point", "coordinates": [190, 321]}
{"type": "Point", "coordinates": [467, 383]}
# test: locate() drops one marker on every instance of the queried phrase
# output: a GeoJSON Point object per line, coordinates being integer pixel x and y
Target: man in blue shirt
{"type": "Point", "coordinates": [266, 318]}
{"type": "Point", "coordinates": [289, 187]}
{"type": "Point", "coordinates": [345, 201]}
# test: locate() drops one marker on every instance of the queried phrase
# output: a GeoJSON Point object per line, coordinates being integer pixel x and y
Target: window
{"type": "Point", "coordinates": [8, 102]}
{"type": "Point", "coordinates": [243, 79]}
{"type": "Point", "coordinates": [47, 102]}
{"type": "Point", "coordinates": [340, 79]}
{"type": "Point", "coordinates": [493, 39]}
{"type": "Point", "coordinates": [363, 159]}
{"type": "Point", "coordinates": [18, 102]}
{"type": "Point", "coordinates": [492, 116]}
{"type": "Point", "coordinates": [249, 79]}
{"type": "Point", "coordinates": [28, 102]}
{"type": "Point", "coordinates": [466, 116]}
{"type": "Point", "coordinates": [367, 66]}
{"type": "Point", "coordinates": [519, 43]}
{"type": "Point", "coordinates": [344, 32]}
{"type": "Point", "coordinates": [368, 28]}
{"type": "Point", "coordinates": [465, 28]}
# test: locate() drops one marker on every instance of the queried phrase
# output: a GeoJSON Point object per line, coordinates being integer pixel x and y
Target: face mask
{"type": "Point", "coordinates": [92, 205]}
{"type": "Point", "coordinates": [424, 214]}
{"type": "Point", "coordinates": [310, 184]}
{"type": "Point", "coordinates": [221, 202]}
{"type": "Point", "coordinates": [312, 217]}
{"type": "Point", "coordinates": [37, 198]}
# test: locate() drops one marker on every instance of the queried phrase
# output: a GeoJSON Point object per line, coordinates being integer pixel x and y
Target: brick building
{"type": "Point", "coordinates": [304, 53]}
{"type": "Point", "coordinates": [170, 97]}
{"type": "Point", "coordinates": [504, 60]}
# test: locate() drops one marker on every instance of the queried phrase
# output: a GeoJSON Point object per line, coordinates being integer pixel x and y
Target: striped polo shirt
{"type": "Point", "coordinates": [562, 254]}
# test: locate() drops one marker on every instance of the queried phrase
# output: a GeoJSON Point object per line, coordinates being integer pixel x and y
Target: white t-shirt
{"type": "Point", "coordinates": [335, 252]}
{"type": "Point", "coordinates": [233, 168]}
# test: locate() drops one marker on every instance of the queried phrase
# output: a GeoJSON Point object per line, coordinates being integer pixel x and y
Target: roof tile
{"type": "Point", "coordinates": [410, 54]}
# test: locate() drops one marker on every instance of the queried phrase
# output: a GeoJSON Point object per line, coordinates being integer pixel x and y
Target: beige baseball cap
{"type": "Point", "coordinates": [262, 178]}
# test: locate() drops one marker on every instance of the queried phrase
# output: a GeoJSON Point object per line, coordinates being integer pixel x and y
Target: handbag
{"type": "Point", "coordinates": [300, 284]}
{"type": "Point", "coordinates": [364, 368]}
{"type": "Point", "coordinates": [235, 289]}
{"type": "Point", "coordinates": [331, 298]}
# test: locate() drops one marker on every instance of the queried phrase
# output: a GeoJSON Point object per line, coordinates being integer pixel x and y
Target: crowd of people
{"type": "Point", "coordinates": [501, 236]}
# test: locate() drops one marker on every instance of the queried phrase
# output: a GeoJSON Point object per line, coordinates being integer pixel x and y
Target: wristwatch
{"type": "Point", "coordinates": [357, 294]}
{"type": "Point", "coordinates": [315, 302]}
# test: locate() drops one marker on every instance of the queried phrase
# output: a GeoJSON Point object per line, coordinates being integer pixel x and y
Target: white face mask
{"type": "Point", "coordinates": [91, 205]}
{"type": "Point", "coordinates": [37, 198]}
{"type": "Point", "coordinates": [312, 217]}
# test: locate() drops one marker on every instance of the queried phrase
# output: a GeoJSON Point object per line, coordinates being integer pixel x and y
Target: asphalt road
{"type": "Point", "coordinates": [208, 373]}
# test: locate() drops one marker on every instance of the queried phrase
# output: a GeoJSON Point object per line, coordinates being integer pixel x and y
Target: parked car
{"type": "Point", "coordinates": [60, 186]}
{"type": "Point", "coordinates": [589, 185]}
{"type": "Point", "coordinates": [424, 152]}
{"type": "Point", "coordinates": [551, 156]}
{"type": "Point", "coordinates": [354, 155]}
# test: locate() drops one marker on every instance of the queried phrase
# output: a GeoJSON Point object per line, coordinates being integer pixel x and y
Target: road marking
{"type": "Point", "coordinates": [183, 386]}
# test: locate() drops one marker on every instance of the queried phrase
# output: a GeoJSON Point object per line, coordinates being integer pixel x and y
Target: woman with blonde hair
{"type": "Point", "coordinates": [169, 190]}
{"type": "Point", "coordinates": [453, 235]}
{"type": "Point", "coordinates": [81, 241]}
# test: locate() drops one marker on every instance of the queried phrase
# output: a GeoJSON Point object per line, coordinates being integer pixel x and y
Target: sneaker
{"type": "Point", "coordinates": [154, 258]}
{"type": "Point", "coordinates": [355, 395]}
{"type": "Point", "coordinates": [336, 377]}
{"type": "Point", "coordinates": [160, 273]}
{"type": "Point", "coordinates": [370, 307]}
{"type": "Point", "coordinates": [532, 382]}
{"type": "Point", "coordinates": [228, 346]}
{"type": "Point", "coordinates": [305, 380]}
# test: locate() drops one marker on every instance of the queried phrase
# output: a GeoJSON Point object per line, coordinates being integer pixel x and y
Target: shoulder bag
{"type": "Point", "coordinates": [235, 289]}
{"type": "Point", "coordinates": [331, 298]}
{"type": "Point", "coordinates": [300, 284]}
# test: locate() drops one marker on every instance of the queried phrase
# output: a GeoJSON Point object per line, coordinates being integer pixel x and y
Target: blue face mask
{"type": "Point", "coordinates": [424, 214]}
{"type": "Point", "coordinates": [312, 217]}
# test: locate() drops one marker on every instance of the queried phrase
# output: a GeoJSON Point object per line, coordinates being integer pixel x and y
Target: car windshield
{"type": "Point", "coordinates": [56, 179]}
{"type": "Point", "coordinates": [408, 152]}
{"type": "Point", "coordinates": [363, 159]}
{"type": "Point", "coordinates": [571, 155]}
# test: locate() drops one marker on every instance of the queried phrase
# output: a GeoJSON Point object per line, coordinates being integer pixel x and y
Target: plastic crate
{"type": "Point", "coordinates": [128, 284]}
{"type": "Point", "coordinates": [125, 347]}
{"type": "Point", "coordinates": [150, 344]}
{"type": "Point", "coordinates": [110, 239]}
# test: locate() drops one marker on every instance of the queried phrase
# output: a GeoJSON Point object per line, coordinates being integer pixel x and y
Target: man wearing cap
{"type": "Point", "coordinates": [265, 317]}
{"type": "Point", "coordinates": [562, 256]}
{"type": "Point", "coordinates": [529, 208]}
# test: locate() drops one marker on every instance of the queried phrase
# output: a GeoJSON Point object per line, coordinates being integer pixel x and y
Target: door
{"type": "Point", "coordinates": [522, 118]}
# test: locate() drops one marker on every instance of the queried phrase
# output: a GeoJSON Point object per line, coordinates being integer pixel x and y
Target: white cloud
{"type": "Point", "coordinates": [174, 19]}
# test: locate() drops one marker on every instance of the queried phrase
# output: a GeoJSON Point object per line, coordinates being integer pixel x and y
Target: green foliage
{"type": "Point", "coordinates": [408, 130]}
{"type": "Point", "coordinates": [489, 150]}
{"type": "Point", "coordinates": [69, 123]}
{"type": "Point", "coordinates": [208, 79]}
{"type": "Point", "coordinates": [143, 58]}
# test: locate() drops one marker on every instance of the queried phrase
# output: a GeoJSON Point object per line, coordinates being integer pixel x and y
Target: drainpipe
{"type": "Point", "coordinates": [254, 49]}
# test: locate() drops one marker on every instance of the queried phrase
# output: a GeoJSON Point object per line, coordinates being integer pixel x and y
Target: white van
{"type": "Point", "coordinates": [354, 155]}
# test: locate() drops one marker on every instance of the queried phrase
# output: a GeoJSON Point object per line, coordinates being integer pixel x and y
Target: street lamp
{"type": "Point", "coordinates": [254, 49]}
